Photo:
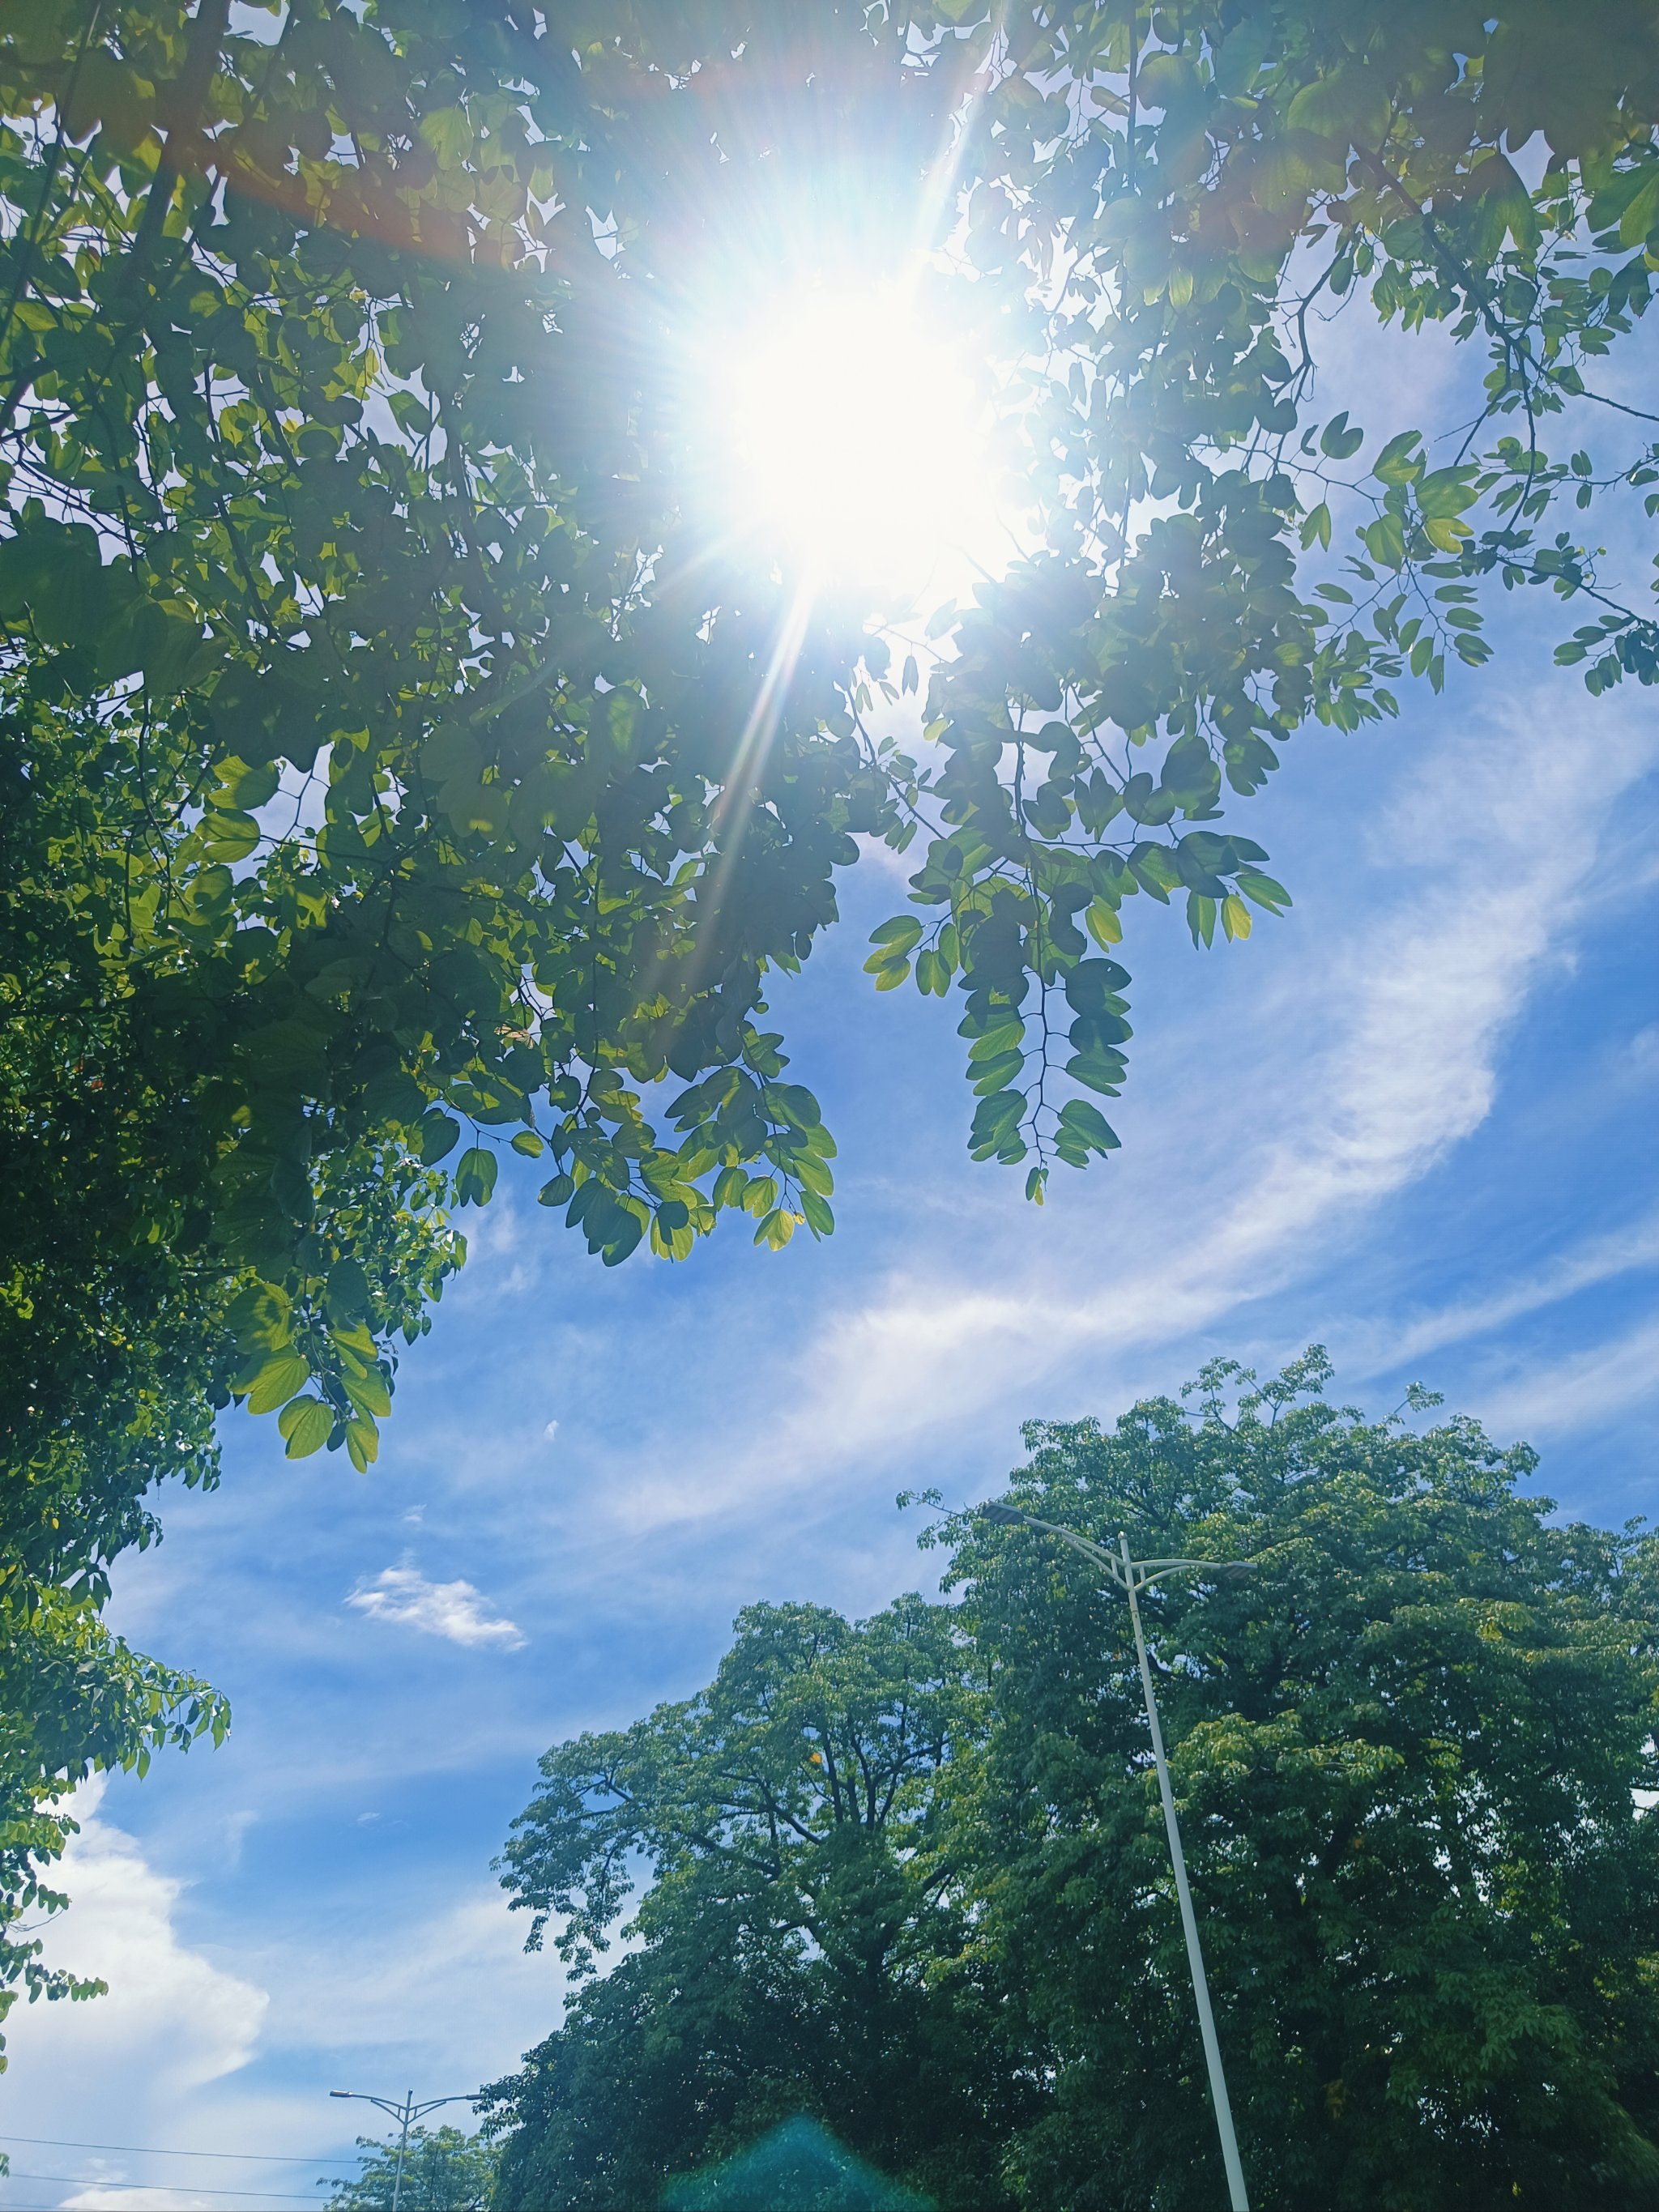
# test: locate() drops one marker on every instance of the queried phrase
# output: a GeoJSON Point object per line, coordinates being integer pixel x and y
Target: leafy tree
{"type": "Point", "coordinates": [444, 2170]}
{"type": "Point", "coordinates": [790, 1941]}
{"type": "Point", "coordinates": [394, 762]}
{"type": "Point", "coordinates": [1409, 1759]}
{"type": "Point", "coordinates": [339, 422]}
{"type": "Point", "coordinates": [118, 1314]}
{"type": "Point", "coordinates": [1411, 1755]}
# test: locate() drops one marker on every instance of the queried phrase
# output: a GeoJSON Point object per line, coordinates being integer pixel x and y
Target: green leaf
{"type": "Point", "coordinates": [259, 1317]}
{"type": "Point", "coordinates": [1103, 925]}
{"type": "Point", "coordinates": [347, 1295]}
{"type": "Point", "coordinates": [1340, 441]}
{"type": "Point", "coordinates": [439, 1134]}
{"type": "Point", "coordinates": [1098, 1070]}
{"type": "Point", "coordinates": [815, 1209]}
{"type": "Point", "coordinates": [226, 836]}
{"type": "Point", "coordinates": [363, 1442]}
{"type": "Point", "coordinates": [1396, 463]}
{"type": "Point", "coordinates": [991, 1074]}
{"type": "Point", "coordinates": [933, 974]}
{"type": "Point", "coordinates": [367, 1392]}
{"type": "Point", "coordinates": [893, 938]}
{"type": "Point", "coordinates": [276, 1381]}
{"type": "Point", "coordinates": [1641, 217]}
{"type": "Point", "coordinates": [475, 1176]}
{"type": "Point", "coordinates": [1088, 1126]}
{"type": "Point", "coordinates": [1263, 890]}
{"type": "Point", "coordinates": [1385, 541]}
{"type": "Point", "coordinates": [307, 1424]}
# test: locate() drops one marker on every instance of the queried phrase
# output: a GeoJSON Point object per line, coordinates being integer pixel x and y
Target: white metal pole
{"type": "Point", "coordinates": [1224, 2111]}
{"type": "Point", "coordinates": [402, 2146]}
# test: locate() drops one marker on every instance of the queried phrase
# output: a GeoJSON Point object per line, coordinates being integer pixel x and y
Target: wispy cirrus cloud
{"type": "Point", "coordinates": [1584, 1390]}
{"type": "Point", "coordinates": [1628, 1250]}
{"type": "Point", "coordinates": [1378, 1059]}
{"type": "Point", "coordinates": [455, 1611]}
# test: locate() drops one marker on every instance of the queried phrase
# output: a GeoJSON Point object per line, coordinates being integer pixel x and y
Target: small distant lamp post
{"type": "Point", "coordinates": [408, 2111]}
{"type": "Point", "coordinates": [1131, 1576]}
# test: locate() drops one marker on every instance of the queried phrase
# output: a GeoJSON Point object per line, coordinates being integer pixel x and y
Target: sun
{"type": "Point", "coordinates": [851, 443]}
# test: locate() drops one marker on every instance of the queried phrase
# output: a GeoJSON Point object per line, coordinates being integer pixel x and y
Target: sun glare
{"type": "Point", "coordinates": [854, 445]}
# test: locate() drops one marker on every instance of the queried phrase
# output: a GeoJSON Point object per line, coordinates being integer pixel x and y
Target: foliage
{"type": "Point", "coordinates": [338, 416]}
{"type": "Point", "coordinates": [1407, 1758]}
{"type": "Point", "coordinates": [445, 2170]}
{"type": "Point", "coordinates": [1410, 1755]}
{"type": "Point", "coordinates": [789, 1816]}
{"type": "Point", "coordinates": [76, 1700]}
{"type": "Point", "coordinates": [1179, 195]}
{"type": "Point", "coordinates": [117, 1309]}
{"type": "Point", "coordinates": [392, 774]}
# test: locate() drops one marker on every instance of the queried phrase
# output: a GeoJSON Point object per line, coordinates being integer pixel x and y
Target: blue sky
{"type": "Point", "coordinates": [1412, 1120]}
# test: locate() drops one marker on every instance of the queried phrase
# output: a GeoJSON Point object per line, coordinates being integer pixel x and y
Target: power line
{"type": "Point", "coordinates": [150, 2150]}
{"type": "Point", "coordinates": [102, 2181]}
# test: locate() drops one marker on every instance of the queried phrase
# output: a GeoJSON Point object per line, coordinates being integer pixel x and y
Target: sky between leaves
{"type": "Point", "coordinates": [1412, 1120]}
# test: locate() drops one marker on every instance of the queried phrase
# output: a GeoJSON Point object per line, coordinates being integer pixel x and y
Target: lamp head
{"type": "Point", "coordinates": [1236, 1571]}
{"type": "Point", "coordinates": [1005, 1516]}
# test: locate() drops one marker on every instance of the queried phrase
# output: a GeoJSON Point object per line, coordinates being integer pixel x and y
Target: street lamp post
{"type": "Point", "coordinates": [1131, 1576]}
{"type": "Point", "coordinates": [408, 2111]}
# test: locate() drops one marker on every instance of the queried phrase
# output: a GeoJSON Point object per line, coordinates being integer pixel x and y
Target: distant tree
{"type": "Point", "coordinates": [1412, 1756]}
{"type": "Point", "coordinates": [446, 2170]}
{"type": "Point", "coordinates": [792, 1943]}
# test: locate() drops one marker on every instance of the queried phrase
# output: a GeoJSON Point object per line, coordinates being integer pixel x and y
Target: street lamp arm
{"type": "Point", "coordinates": [1017, 1514]}
{"type": "Point", "coordinates": [407, 2113]}
{"type": "Point", "coordinates": [1142, 1571]}
{"type": "Point", "coordinates": [1225, 1571]}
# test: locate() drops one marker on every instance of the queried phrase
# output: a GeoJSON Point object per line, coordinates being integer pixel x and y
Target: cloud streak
{"type": "Point", "coordinates": [1588, 1389]}
{"type": "Point", "coordinates": [1498, 838]}
{"type": "Point", "coordinates": [454, 1611]}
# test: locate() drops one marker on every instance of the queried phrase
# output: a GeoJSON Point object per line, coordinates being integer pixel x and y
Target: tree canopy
{"type": "Point", "coordinates": [444, 2170]}
{"type": "Point", "coordinates": [1411, 1756]}
{"type": "Point", "coordinates": [346, 468]}
{"type": "Point", "coordinates": [789, 1818]}
{"type": "Point", "coordinates": [392, 772]}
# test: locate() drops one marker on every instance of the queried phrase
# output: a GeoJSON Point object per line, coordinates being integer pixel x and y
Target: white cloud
{"type": "Point", "coordinates": [1602, 1259]}
{"type": "Point", "coordinates": [454, 1610]}
{"type": "Point", "coordinates": [1372, 1062]}
{"type": "Point", "coordinates": [164, 1998]}
{"type": "Point", "coordinates": [1583, 1391]}
{"type": "Point", "coordinates": [160, 2059]}
{"type": "Point", "coordinates": [551, 1430]}
{"type": "Point", "coordinates": [138, 2198]}
{"type": "Point", "coordinates": [172, 2027]}
{"type": "Point", "coordinates": [371, 1989]}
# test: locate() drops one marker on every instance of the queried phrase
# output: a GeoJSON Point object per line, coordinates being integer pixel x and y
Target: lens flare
{"type": "Point", "coordinates": [853, 445]}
